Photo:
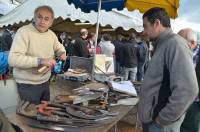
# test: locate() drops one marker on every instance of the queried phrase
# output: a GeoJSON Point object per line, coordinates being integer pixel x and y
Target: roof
{"type": "Point", "coordinates": [62, 9]}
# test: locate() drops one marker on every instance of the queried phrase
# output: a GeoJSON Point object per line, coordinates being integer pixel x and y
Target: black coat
{"type": "Point", "coordinates": [6, 41]}
{"type": "Point", "coordinates": [80, 48]}
{"type": "Point", "coordinates": [197, 69]}
{"type": "Point", "coordinates": [130, 54]}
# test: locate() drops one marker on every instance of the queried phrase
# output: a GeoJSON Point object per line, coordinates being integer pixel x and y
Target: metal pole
{"type": "Point", "coordinates": [97, 34]}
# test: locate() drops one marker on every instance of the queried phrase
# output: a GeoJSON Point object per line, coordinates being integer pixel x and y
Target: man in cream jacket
{"type": "Point", "coordinates": [35, 46]}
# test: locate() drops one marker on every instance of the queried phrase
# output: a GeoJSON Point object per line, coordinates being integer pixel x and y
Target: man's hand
{"type": "Point", "coordinates": [63, 57]}
{"type": "Point", "coordinates": [48, 62]}
{"type": "Point", "coordinates": [157, 121]}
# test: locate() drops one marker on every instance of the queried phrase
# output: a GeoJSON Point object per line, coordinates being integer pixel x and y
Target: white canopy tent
{"type": "Point", "coordinates": [5, 8]}
{"type": "Point", "coordinates": [62, 9]}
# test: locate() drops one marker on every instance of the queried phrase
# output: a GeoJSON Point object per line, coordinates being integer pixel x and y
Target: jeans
{"type": "Point", "coordinates": [191, 122]}
{"type": "Point", "coordinates": [140, 73]}
{"type": "Point", "coordinates": [118, 68]}
{"type": "Point", "coordinates": [34, 93]}
{"type": "Point", "coordinates": [130, 73]}
{"type": "Point", "coordinates": [154, 127]}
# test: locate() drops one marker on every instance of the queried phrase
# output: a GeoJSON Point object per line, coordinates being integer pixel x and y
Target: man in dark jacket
{"type": "Point", "coordinates": [170, 84]}
{"type": "Point", "coordinates": [143, 58]}
{"type": "Point", "coordinates": [80, 44]}
{"type": "Point", "coordinates": [130, 59]}
{"type": "Point", "coordinates": [118, 53]}
{"type": "Point", "coordinates": [6, 40]}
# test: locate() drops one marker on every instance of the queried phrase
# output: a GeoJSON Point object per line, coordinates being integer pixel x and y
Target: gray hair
{"type": "Point", "coordinates": [191, 36]}
{"type": "Point", "coordinates": [44, 7]}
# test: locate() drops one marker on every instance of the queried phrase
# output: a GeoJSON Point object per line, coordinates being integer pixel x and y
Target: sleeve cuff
{"type": "Point", "coordinates": [39, 62]}
{"type": "Point", "coordinates": [162, 122]}
{"type": "Point", "coordinates": [60, 53]}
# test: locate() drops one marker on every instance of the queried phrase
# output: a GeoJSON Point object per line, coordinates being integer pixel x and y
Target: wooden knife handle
{"type": "Point", "coordinates": [42, 69]}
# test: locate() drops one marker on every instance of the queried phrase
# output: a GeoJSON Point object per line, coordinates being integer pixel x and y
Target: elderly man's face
{"type": "Point", "coordinates": [193, 45]}
{"type": "Point", "coordinates": [43, 20]}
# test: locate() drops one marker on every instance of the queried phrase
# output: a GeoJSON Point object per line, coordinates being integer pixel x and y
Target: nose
{"type": "Point", "coordinates": [42, 21]}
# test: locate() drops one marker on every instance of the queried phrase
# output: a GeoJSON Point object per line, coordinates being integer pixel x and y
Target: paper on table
{"type": "Point", "coordinates": [124, 86]}
{"type": "Point", "coordinates": [100, 63]}
{"type": "Point", "coordinates": [105, 64]}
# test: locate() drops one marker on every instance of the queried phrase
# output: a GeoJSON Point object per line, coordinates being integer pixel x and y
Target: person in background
{"type": "Point", "coordinates": [143, 57]}
{"type": "Point", "coordinates": [129, 55]}
{"type": "Point", "coordinates": [118, 53]}
{"type": "Point", "coordinates": [66, 41]}
{"type": "Point", "coordinates": [90, 43]}
{"type": "Point", "coordinates": [98, 47]}
{"type": "Point", "coordinates": [170, 84]}
{"type": "Point", "coordinates": [191, 37]}
{"type": "Point", "coordinates": [80, 44]}
{"type": "Point", "coordinates": [107, 47]}
{"type": "Point", "coordinates": [191, 122]}
{"type": "Point", "coordinates": [34, 47]}
{"type": "Point", "coordinates": [7, 39]}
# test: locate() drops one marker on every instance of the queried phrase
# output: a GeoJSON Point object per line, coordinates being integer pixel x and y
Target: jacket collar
{"type": "Point", "coordinates": [163, 36]}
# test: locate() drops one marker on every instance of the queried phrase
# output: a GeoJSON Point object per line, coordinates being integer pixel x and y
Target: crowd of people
{"type": "Point", "coordinates": [169, 100]}
{"type": "Point", "coordinates": [130, 52]}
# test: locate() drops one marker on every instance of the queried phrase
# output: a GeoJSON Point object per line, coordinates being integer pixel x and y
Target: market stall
{"type": "Point", "coordinates": [70, 19]}
{"type": "Point", "coordinates": [62, 87]}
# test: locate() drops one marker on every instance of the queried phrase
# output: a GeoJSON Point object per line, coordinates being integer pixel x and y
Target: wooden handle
{"type": "Point", "coordinates": [42, 69]}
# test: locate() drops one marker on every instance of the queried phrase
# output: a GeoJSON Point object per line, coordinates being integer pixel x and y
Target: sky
{"type": "Point", "coordinates": [188, 15]}
{"type": "Point", "coordinates": [189, 10]}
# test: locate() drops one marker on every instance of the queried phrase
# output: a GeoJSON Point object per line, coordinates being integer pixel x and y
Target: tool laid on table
{"type": "Point", "coordinates": [104, 102]}
{"type": "Point", "coordinates": [76, 75]}
{"type": "Point", "coordinates": [46, 110]}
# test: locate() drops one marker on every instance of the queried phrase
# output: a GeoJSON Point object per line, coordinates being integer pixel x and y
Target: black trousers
{"type": "Point", "coordinates": [34, 93]}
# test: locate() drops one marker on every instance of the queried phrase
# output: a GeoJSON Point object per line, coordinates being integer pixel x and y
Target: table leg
{"type": "Point", "coordinates": [116, 127]}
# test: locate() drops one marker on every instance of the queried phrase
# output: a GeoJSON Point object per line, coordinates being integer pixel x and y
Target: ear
{"type": "Point", "coordinates": [156, 23]}
{"type": "Point", "coordinates": [193, 44]}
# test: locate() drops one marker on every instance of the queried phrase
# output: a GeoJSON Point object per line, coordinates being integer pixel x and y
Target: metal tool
{"type": "Point", "coordinates": [87, 97]}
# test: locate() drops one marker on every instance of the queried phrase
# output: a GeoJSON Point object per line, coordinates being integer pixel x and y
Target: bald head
{"type": "Point", "coordinates": [190, 36]}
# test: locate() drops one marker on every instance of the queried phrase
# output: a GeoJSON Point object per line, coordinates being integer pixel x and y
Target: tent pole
{"type": "Point", "coordinates": [97, 34]}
